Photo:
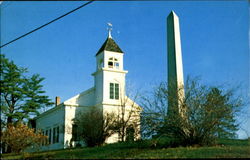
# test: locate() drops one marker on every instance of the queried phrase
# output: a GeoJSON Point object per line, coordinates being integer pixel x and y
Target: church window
{"type": "Point", "coordinates": [116, 65]}
{"type": "Point", "coordinates": [114, 91]}
{"type": "Point", "coordinates": [43, 133]}
{"type": "Point", "coordinates": [110, 64]}
{"type": "Point", "coordinates": [113, 63]}
{"type": "Point", "coordinates": [130, 134]}
{"type": "Point", "coordinates": [49, 136]}
{"type": "Point", "coordinates": [111, 90]}
{"type": "Point", "coordinates": [75, 133]}
{"type": "Point", "coordinates": [57, 134]}
{"type": "Point", "coordinates": [47, 133]}
{"type": "Point", "coordinates": [54, 135]}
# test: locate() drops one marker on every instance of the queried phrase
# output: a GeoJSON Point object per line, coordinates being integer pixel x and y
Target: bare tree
{"type": "Point", "coordinates": [207, 113]}
{"type": "Point", "coordinates": [94, 127]}
{"type": "Point", "coordinates": [128, 119]}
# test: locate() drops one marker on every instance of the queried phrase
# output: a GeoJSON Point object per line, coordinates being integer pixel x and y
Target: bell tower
{"type": "Point", "coordinates": [109, 75]}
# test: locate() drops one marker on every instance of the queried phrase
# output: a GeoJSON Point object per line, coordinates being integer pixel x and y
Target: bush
{"type": "Point", "coordinates": [19, 137]}
{"type": "Point", "coordinates": [163, 142]}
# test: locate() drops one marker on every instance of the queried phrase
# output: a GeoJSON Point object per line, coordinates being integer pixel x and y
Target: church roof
{"type": "Point", "coordinates": [109, 45]}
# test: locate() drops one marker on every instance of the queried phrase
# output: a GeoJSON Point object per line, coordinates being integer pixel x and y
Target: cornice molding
{"type": "Point", "coordinates": [110, 70]}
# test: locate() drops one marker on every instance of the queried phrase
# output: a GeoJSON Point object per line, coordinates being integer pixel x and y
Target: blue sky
{"type": "Point", "coordinates": [214, 36]}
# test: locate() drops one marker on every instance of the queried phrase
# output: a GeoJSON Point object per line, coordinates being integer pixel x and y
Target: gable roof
{"type": "Point", "coordinates": [109, 45]}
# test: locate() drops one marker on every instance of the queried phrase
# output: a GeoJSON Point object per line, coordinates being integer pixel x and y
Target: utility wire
{"type": "Point", "coordinates": [85, 4]}
{"type": "Point", "coordinates": [5, 5]}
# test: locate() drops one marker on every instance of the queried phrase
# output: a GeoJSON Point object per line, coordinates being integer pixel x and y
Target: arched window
{"type": "Point", "coordinates": [113, 63]}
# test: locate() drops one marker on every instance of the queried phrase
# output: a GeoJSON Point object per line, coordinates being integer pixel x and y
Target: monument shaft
{"type": "Point", "coordinates": [175, 70]}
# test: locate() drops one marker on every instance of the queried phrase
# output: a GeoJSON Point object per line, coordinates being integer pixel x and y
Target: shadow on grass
{"type": "Point", "coordinates": [154, 148]}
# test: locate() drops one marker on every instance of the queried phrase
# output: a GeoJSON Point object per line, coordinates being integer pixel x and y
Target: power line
{"type": "Point", "coordinates": [85, 4]}
{"type": "Point", "coordinates": [5, 5]}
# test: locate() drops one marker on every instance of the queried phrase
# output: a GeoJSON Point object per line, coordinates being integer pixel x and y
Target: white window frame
{"type": "Point", "coordinates": [114, 91]}
{"type": "Point", "coordinates": [113, 63]}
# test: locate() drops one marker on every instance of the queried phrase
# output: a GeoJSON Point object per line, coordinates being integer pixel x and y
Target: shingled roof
{"type": "Point", "coordinates": [109, 45]}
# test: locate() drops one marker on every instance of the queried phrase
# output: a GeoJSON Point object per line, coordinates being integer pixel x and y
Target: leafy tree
{"type": "Point", "coordinates": [94, 127]}
{"type": "Point", "coordinates": [20, 137]}
{"type": "Point", "coordinates": [21, 96]}
{"type": "Point", "coordinates": [208, 114]}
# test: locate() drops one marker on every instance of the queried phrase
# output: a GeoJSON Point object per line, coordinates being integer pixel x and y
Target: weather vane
{"type": "Point", "coordinates": [109, 29]}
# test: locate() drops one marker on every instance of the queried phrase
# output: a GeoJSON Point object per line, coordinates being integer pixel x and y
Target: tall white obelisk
{"type": "Point", "coordinates": [175, 70]}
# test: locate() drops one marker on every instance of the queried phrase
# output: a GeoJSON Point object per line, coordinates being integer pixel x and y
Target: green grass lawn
{"type": "Point", "coordinates": [225, 149]}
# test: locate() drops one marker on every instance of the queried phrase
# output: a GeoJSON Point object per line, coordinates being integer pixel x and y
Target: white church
{"type": "Point", "coordinates": [107, 94]}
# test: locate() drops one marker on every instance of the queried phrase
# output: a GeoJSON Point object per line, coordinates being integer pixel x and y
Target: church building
{"type": "Point", "coordinates": [107, 94]}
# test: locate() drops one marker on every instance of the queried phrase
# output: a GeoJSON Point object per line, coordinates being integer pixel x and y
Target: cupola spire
{"type": "Point", "coordinates": [109, 44]}
{"type": "Point", "coordinates": [109, 30]}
